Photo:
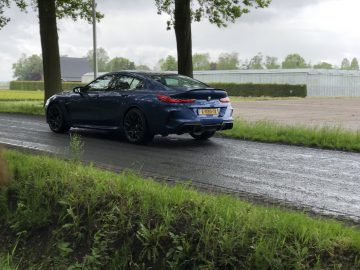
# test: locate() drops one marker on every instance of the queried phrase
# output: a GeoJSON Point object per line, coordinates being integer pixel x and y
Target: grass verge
{"type": "Point", "coordinates": [19, 95]}
{"type": "Point", "coordinates": [62, 214]}
{"type": "Point", "coordinates": [335, 138]}
{"type": "Point", "coordinates": [25, 107]}
{"type": "Point", "coordinates": [237, 99]}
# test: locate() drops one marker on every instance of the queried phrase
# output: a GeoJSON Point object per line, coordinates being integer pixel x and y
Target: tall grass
{"type": "Point", "coordinates": [84, 218]}
{"type": "Point", "coordinates": [321, 137]}
{"type": "Point", "coordinates": [25, 107]}
{"type": "Point", "coordinates": [20, 95]}
{"type": "Point", "coordinates": [4, 175]}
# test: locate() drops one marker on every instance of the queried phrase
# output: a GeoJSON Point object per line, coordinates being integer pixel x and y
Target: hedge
{"type": "Point", "coordinates": [39, 85]}
{"type": "Point", "coordinates": [258, 90]}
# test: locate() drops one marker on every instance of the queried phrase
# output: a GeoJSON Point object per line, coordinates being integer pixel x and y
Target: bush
{"type": "Point", "coordinates": [39, 85]}
{"type": "Point", "coordinates": [258, 90]}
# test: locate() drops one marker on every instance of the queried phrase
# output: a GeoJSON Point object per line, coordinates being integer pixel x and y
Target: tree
{"type": "Point", "coordinates": [49, 11]}
{"type": "Point", "coordinates": [184, 12]}
{"type": "Point", "coordinates": [256, 62]}
{"type": "Point", "coordinates": [271, 63]}
{"type": "Point", "coordinates": [168, 64]}
{"type": "Point", "coordinates": [120, 63]}
{"type": "Point", "coordinates": [228, 61]}
{"type": "Point", "coordinates": [293, 61]}
{"type": "Point", "coordinates": [323, 65]}
{"type": "Point", "coordinates": [345, 64]}
{"type": "Point", "coordinates": [102, 58]}
{"type": "Point", "coordinates": [354, 64]}
{"type": "Point", "coordinates": [143, 68]}
{"type": "Point", "coordinates": [201, 61]}
{"type": "Point", "coordinates": [28, 68]}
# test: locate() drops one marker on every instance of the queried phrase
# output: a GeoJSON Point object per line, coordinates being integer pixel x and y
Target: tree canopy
{"type": "Point", "coordinates": [256, 62]}
{"type": "Point", "coordinates": [120, 63]}
{"type": "Point", "coordinates": [228, 61]}
{"type": "Point", "coordinates": [272, 62]}
{"type": "Point", "coordinates": [201, 61]}
{"type": "Point", "coordinates": [28, 68]}
{"type": "Point", "coordinates": [293, 61]}
{"type": "Point", "coordinates": [354, 64]}
{"type": "Point", "coordinates": [168, 64]}
{"type": "Point", "coordinates": [183, 12]}
{"type": "Point", "coordinates": [102, 58]}
{"type": "Point", "coordinates": [323, 65]}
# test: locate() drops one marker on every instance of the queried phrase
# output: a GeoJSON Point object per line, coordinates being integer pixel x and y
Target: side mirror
{"type": "Point", "coordinates": [78, 89]}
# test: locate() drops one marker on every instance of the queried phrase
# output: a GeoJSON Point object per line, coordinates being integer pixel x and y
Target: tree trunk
{"type": "Point", "coordinates": [50, 47]}
{"type": "Point", "coordinates": [183, 37]}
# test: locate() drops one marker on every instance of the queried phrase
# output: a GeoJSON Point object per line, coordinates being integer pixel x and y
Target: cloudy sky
{"type": "Point", "coordinates": [319, 30]}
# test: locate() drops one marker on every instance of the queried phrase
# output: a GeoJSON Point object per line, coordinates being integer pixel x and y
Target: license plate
{"type": "Point", "coordinates": [208, 111]}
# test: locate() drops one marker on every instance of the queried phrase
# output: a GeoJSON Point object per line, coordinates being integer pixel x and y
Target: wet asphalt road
{"type": "Point", "coordinates": [324, 181]}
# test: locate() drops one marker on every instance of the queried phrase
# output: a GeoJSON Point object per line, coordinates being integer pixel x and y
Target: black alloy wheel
{"type": "Point", "coordinates": [135, 127]}
{"type": "Point", "coordinates": [202, 136]}
{"type": "Point", "coordinates": [56, 119]}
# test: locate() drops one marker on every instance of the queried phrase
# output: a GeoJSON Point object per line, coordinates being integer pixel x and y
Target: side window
{"type": "Point", "coordinates": [126, 83]}
{"type": "Point", "coordinates": [101, 83]}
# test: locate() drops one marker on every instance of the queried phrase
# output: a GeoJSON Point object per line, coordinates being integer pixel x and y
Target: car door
{"type": "Point", "coordinates": [85, 109]}
{"type": "Point", "coordinates": [116, 98]}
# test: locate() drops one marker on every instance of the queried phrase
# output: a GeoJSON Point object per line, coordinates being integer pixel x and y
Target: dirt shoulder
{"type": "Point", "coordinates": [344, 112]}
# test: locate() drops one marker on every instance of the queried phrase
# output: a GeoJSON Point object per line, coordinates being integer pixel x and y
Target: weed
{"type": "Point", "coordinates": [76, 147]}
{"type": "Point", "coordinates": [4, 174]}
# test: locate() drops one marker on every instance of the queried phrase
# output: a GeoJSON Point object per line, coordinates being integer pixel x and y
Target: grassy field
{"type": "Point", "coordinates": [25, 107]}
{"type": "Point", "coordinates": [63, 214]}
{"type": "Point", "coordinates": [321, 137]}
{"type": "Point", "coordinates": [17, 95]}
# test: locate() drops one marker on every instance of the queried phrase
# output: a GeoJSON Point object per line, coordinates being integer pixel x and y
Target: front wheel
{"type": "Point", "coordinates": [202, 136]}
{"type": "Point", "coordinates": [56, 120]}
{"type": "Point", "coordinates": [135, 127]}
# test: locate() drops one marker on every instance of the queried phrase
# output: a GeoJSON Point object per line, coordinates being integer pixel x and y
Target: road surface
{"type": "Point", "coordinates": [326, 182]}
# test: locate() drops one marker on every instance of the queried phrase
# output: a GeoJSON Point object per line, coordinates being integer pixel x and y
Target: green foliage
{"type": "Point", "coordinates": [102, 59]}
{"type": "Point", "coordinates": [120, 63]}
{"type": "Point", "coordinates": [17, 95]}
{"type": "Point", "coordinates": [256, 62]}
{"type": "Point", "coordinates": [321, 137]}
{"type": "Point", "coordinates": [74, 9]}
{"type": "Point", "coordinates": [293, 61]}
{"type": "Point", "coordinates": [83, 218]}
{"type": "Point", "coordinates": [354, 64]}
{"type": "Point", "coordinates": [217, 12]}
{"type": "Point", "coordinates": [258, 90]}
{"type": "Point", "coordinates": [76, 148]}
{"type": "Point", "coordinates": [228, 61]}
{"type": "Point", "coordinates": [39, 85]}
{"type": "Point", "coordinates": [271, 63]}
{"type": "Point", "coordinates": [201, 61]}
{"type": "Point", "coordinates": [28, 68]}
{"type": "Point", "coordinates": [168, 64]}
{"type": "Point", "coordinates": [25, 107]}
{"type": "Point", "coordinates": [323, 65]}
{"type": "Point", "coordinates": [345, 64]}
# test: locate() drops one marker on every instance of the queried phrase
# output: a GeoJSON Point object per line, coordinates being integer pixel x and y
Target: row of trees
{"type": "Point", "coordinates": [30, 68]}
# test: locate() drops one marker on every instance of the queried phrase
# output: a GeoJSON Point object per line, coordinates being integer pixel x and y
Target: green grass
{"type": "Point", "coordinates": [335, 138]}
{"type": "Point", "coordinates": [25, 107]}
{"type": "Point", "coordinates": [18, 95]}
{"type": "Point", "coordinates": [68, 215]}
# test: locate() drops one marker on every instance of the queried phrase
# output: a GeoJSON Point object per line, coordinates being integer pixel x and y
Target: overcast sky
{"type": "Point", "coordinates": [319, 30]}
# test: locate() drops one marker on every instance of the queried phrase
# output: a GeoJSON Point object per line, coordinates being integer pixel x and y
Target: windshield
{"type": "Point", "coordinates": [178, 81]}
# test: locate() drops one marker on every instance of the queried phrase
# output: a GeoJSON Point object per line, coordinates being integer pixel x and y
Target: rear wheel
{"type": "Point", "coordinates": [135, 127]}
{"type": "Point", "coordinates": [56, 120]}
{"type": "Point", "coordinates": [202, 136]}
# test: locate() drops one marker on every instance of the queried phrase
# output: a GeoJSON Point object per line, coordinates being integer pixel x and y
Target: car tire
{"type": "Point", "coordinates": [136, 129]}
{"type": "Point", "coordinates": [203, 136]}
{"type": "Point", "coordinates": [56, 119]}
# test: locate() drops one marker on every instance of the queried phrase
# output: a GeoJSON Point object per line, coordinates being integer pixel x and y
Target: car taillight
{"type": "Point", "coordinates": [168, 99]}
{"type": "Point", "coordinates": [225, 100]}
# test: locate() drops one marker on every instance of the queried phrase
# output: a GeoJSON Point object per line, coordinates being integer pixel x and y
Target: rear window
{"type": "Point", "coordinates": [178, 81]}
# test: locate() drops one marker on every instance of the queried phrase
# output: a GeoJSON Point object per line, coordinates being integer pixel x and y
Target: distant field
{"type": "Point", "coordinates": [18, 95]}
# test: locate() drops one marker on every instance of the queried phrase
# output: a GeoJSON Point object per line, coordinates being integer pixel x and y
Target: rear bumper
{"type": "Point", "coordinates": [198, 127]}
